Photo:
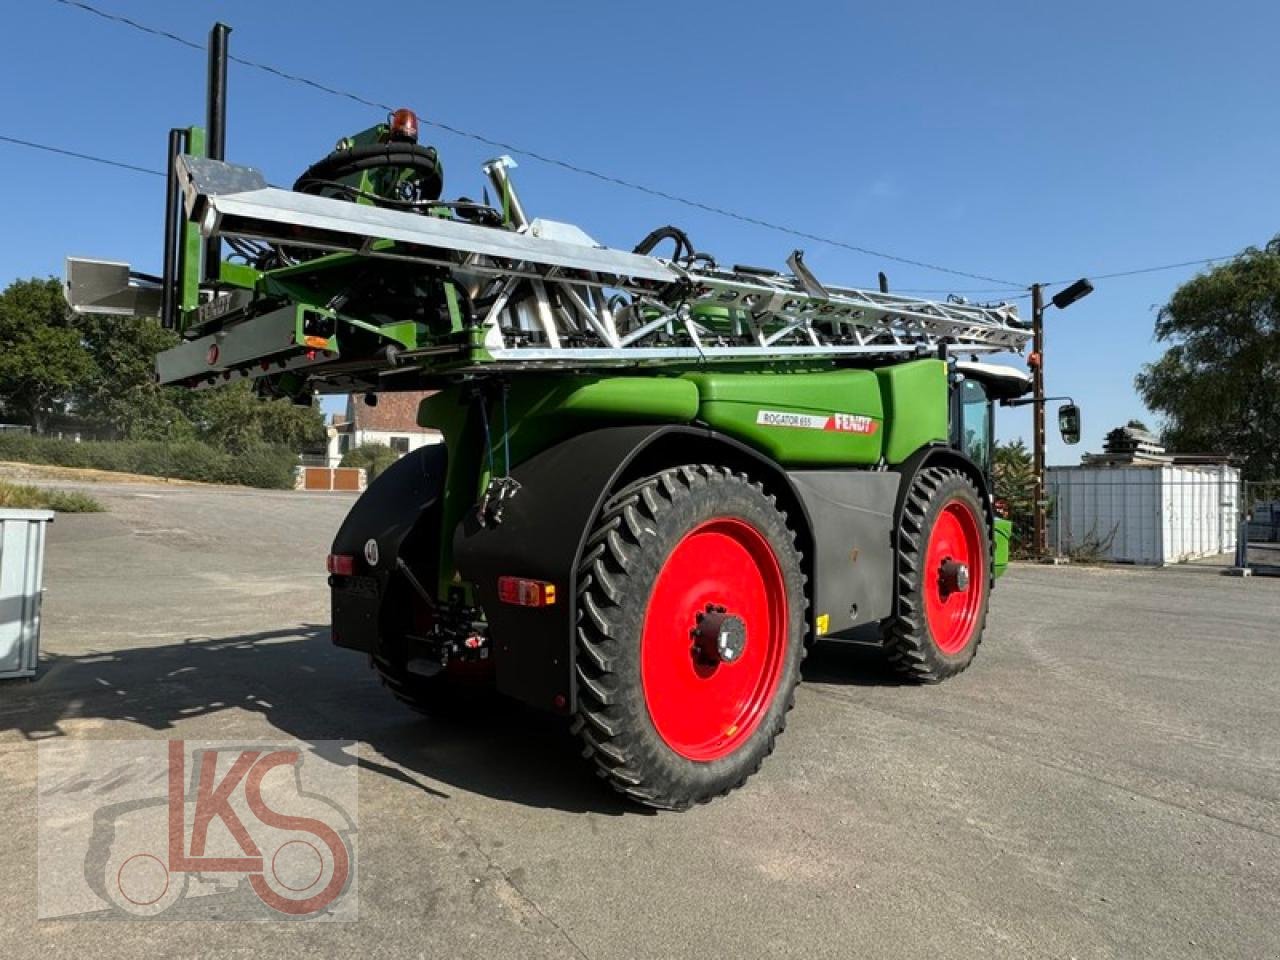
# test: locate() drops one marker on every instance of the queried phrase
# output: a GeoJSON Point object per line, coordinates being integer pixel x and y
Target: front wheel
{"type": "Point", "coordinates": [691, 623]}
{"type": "Point", "coordinates": [944, 577]}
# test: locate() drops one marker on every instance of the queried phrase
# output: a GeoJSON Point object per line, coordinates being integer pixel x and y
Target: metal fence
{"type": "Point", "coordinates": [1260, 526]}
{"type": "Point", "coordinates": [1158, 515]}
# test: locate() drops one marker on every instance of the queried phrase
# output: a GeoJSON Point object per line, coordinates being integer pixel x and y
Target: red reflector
{"type": "Point", "coordinates": [342, 564]}
{"type": "Point", "coordinates": [526, 593]}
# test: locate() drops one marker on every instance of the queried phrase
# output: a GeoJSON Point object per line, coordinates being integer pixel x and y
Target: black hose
{"type": "Point", "coordinates": [684, 248]}
{"type": "Point", "coordinates": [401, 156]}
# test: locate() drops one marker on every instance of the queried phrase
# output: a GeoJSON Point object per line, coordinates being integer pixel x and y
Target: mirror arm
{"type": "Point", "coordinates": [1026, 401]}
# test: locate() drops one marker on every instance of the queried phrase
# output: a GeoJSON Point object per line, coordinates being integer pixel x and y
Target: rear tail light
{"type": "Point", "coordinates": [1002, 508]}
{"type": "Point", "coordinates": [341, 564]}
{"type": "Point", "coordinates": [526, 593]}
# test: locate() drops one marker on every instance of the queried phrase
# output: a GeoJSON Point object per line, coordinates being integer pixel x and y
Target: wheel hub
{"type": "Point", "coordinates": [953, 577]}
{"type": "Point", "coordinates": [719, 636]}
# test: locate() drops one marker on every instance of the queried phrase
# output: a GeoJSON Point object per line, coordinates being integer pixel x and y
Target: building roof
{"type": "Point", "coordinates": [395, 412]}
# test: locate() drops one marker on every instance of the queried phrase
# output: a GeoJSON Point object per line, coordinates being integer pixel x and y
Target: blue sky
{"type": "Point", "coordinates": [1016, 140]}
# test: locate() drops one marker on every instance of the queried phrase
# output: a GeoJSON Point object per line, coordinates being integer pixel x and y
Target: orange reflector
{"type": "Point", "coordinates": [319, 343]}
{"type": "Point", "coordinates": [342, 564]}
{"type": "Point", "coordinates": [404, 125]}
{"type": "Point", "coordinates": [526, 593]}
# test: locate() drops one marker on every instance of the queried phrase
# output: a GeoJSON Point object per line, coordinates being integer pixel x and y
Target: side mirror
{"type": "Point", "coordinates": [1069, 423]}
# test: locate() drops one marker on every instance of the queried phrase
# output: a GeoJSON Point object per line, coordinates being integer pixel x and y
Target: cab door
{"type": "Point", "coordinates": [971, 425]}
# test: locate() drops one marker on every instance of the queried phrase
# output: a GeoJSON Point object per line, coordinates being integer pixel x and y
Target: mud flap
{"type": "Point", "coordinates": [392, 506]}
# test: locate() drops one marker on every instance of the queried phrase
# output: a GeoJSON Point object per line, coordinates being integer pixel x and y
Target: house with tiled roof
{"type": "Point", "coordinates": [392, 421]}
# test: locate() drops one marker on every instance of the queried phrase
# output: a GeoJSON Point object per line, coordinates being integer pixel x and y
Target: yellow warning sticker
{"type": "Point", "coordinates": [824, 623]}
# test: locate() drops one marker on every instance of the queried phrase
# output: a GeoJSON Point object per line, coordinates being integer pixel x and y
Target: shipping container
{"type": "Point", "coordinates": [1151, 514]}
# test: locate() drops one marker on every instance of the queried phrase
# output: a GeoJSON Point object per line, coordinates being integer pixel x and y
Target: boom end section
{"type": "Point", "coordinates": [110, 287]}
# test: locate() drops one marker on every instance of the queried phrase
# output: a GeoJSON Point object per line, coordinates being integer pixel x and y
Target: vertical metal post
{"type": "Point", "coordinates": [512, 210]}
{"type": "Point", "coordinates": [1057, 519]}
{"type": "Point", "coordinates": [1037, 412]}
{"type": "Point", "coordinates": [216, 124]}
{"type": "Point", "coordinates": [169, 287]}
{"type": "Point", "coordinates": [1242, 525]}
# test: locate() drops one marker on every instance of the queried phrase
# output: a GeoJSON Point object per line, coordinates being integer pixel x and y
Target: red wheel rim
{"type": "Point", "coordinates": [951, 606]}
{"type": "Point", "coordinates": [704, 708]}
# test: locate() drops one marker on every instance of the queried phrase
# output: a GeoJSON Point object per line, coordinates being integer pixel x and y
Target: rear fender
{"type": "Point", "coordinates": [542, 535]}
{"type": "Point", "coordinates": [401, 501]}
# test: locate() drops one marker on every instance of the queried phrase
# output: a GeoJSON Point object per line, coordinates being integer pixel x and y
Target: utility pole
{"type": "Point", "coordinates": [1062, 299]}
{"type": "Point", "coordinates": [1039, 543]}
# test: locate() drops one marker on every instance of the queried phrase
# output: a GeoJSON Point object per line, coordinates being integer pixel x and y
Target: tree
{"type": "Point", "coordinates": [1218, 383]}
{"type": "Point", "coordinates": [233, 418]}
{"type": "Point", "coordinates": [121, 390]}
{"type": "Point", "coordinates": [42, 358]}
{"type": "Point", "coordinates": [102, 370]}
{"type": "Point", "coordinates": [1015, 487]}
{"type": "Point", "coordinates": [374, 457]}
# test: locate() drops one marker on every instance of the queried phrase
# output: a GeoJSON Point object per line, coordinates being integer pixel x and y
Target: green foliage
{"type": "Point", "coordinates": [1218, 383]}
{"type": "Point", "coordinates": [99, 371]}
{"type": "Point", "coordinates": [263, 466]}
{"type": "Point", "coordinates": [259, 466]}
{"type": "Point", "coordinates": [120, 392]}
{"type": "Point", "coordinates": [21, 496]}
{"type": "Point", "coordinates": [41, 357]}
{"type": "Point", "coordinates": [374, 457]}
{"type": "Point", "coordinates": [1015, 487]}
{"type": "Point", "coordinates": [233, 418]}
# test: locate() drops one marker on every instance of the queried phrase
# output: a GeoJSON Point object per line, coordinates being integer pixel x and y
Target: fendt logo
{"type": "Point", "coordinates": [833, 422]}
{"type": "Point", "coordinates": [176, 830]}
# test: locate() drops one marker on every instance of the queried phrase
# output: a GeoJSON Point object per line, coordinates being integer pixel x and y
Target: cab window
{"type": "Point", "coordinates": [975, 424]}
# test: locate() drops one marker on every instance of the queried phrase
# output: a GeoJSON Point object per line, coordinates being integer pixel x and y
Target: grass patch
{"type": "Point", "coordinates": [21, 496]}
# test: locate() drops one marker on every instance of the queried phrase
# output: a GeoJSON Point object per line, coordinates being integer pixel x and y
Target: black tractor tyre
{"type": "Point", "coordinates": [931, 648]}
{"type": "Point", "coordinates": [639, 532]}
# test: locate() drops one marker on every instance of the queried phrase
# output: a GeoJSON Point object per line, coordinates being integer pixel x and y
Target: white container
{"type": "Point", "coordinates": [21, 575]}
{"type": "Point", "coordinates": [1156, 514]}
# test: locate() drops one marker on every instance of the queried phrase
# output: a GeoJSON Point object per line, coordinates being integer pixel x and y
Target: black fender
{"type": "Point", "coordinates": [936, 455]}
{"type": "Point", "coordinates": [544, 530]}
{"type": "Point", "coordinates": [404, 495]}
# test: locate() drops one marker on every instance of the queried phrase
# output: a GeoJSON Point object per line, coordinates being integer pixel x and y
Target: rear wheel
{"type": "Point", "coordinates": [944, 577]}
{"type": "Point", "coordinates": [690, 633]}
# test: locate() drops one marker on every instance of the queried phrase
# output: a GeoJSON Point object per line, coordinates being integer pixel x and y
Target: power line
{"type": "Point", "coordinates": [1167, 266]}
{"type": "Point", "coordinates": [81, 156]}
{"type": "Point", "coordinates": [986, 290]}
{"type": "Point", "coordinates": [1140, 270]}
{"type": "Point", "coordinates": [1004, 293]}
{"type": "Point", "coordinates": [544, 158]}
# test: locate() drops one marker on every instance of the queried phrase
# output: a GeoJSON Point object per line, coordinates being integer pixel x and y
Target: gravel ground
{"type": "Point", "coordinates": [1105, 781]}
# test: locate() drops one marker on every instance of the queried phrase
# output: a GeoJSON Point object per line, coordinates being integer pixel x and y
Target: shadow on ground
{"type": "Point", "coordinates": [858, 662]}
{"type": "Point", "coordinates": [308, 689]}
